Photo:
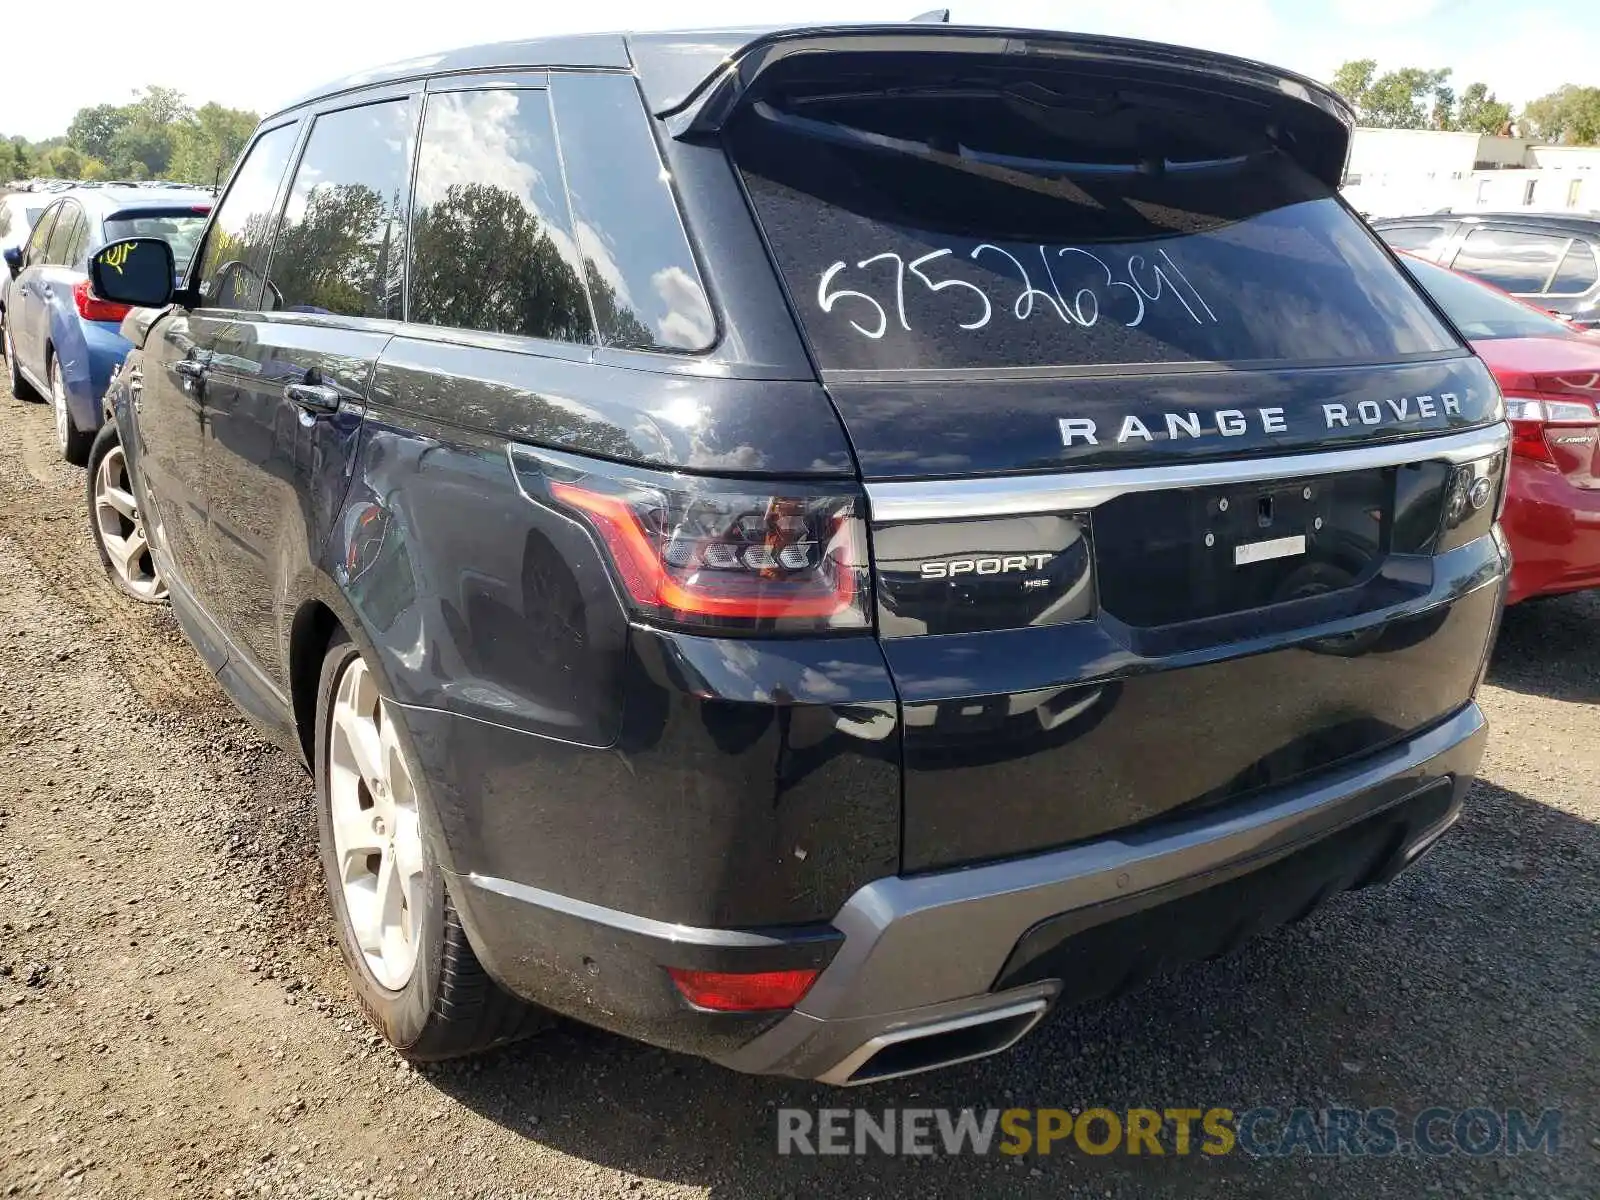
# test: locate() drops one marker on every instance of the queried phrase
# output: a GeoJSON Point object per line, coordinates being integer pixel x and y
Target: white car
{"type": "Point", "coordinates": [18, 212]}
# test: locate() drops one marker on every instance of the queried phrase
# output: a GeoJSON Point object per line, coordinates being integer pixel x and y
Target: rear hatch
{"type": "Point", "coordinates": [1038, 275]}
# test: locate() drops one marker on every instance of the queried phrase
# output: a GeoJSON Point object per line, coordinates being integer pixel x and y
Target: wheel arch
{"type": "Point", "coordinates": [310, 634]}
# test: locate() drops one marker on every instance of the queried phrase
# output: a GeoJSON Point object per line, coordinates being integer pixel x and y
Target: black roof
{"type": "Point", "coordinates": [1567, 222]}
{"type": "Point", "coordinates": [673, 66]}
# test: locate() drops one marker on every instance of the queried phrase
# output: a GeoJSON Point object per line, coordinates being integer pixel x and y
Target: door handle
{"type": "Point", "coordinates": [190, 368]}
{"type": "Point", "coordinates": [314, 397]}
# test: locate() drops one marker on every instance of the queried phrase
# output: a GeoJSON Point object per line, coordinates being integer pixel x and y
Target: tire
{"type": "Point", "coordinates": [444, 1005]}
{"type": "Point", "coordinates": [115, 523]}
{"type": "Point", "coordinates": [73, 442]}
{"type": "Point", "coordinates": [21, 389]}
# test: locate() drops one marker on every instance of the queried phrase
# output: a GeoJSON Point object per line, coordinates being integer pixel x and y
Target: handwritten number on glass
{"type": "Point", "coordinates": [826, 300]}
{"type": "Point", "coordinates": [1145, 282]}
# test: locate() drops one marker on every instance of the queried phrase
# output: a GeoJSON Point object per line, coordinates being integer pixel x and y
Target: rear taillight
{"type": "Point", "coordinates": [92, 308]}
{"type": "Point", "coordinates": [730, 555]}
{"type": "Point", "coordinates": [1529, 415]}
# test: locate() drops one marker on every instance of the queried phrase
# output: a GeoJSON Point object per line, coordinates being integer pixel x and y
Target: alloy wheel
{"type": "Point", "coordinates": [121, 529]}
{"type": "Point", "coordinates": [377, 834]}
{"type": "Point", "coordinates": [58, 401]}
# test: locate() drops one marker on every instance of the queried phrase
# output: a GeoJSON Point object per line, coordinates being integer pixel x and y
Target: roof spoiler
{"type": "Point", "coordinates": [692, 104]}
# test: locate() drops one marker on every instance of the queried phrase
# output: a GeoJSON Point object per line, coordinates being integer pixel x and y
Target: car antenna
{"type": "Point", "coordinates": [934, 16]}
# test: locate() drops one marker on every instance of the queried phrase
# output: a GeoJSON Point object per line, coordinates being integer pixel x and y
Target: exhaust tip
{"type": "Point", "coordinates": [938, 1044]}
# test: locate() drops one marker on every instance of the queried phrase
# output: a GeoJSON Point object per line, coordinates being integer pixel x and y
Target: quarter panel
{"type": "Point", "coordinates": [752, 784]}
{"type": "Point", "coordinates": [478, 601]}
{"type": "Point", "coordinates": [698, 422]}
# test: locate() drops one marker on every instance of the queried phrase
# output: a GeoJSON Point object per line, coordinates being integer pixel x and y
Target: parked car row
{"type": "Point", "coordinates": [1550, 260]}
{"type": "Point", "coordinates": [805, 548]}
{"type": "Point", "coordinates": [62, 185]}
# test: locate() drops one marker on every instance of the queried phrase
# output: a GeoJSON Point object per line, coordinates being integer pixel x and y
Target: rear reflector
{"type": "Point", "coordinates": [730, 991]}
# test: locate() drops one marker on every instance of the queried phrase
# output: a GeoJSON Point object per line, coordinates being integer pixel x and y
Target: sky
{"type": "Point", "coordinates": [260, 56]}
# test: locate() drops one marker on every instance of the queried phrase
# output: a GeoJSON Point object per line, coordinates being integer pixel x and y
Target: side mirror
{"type": "Point", "coordinates": [13, 258]}
{"type": "Point", "coordinates": [135, 271]}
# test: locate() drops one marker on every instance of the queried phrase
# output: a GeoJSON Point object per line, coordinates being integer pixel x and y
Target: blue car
{"type": "Point", "coordinates": [61, 340]}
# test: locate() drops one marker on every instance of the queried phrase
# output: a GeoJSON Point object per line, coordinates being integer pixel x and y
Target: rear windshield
{"type": "Point", "coordinates": [995, 230]}
{"type": "Point", "coordinates": [1481, 312]}
{"type": "Point", "coordinates": [180, 229]}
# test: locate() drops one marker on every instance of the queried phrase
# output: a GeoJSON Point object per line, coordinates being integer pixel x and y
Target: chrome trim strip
{"type": "Point", "coordinates": [840, 1073]}
{"type": "Point", "coordinates": [612, 918]}
{"type": "Point", "coordinates": [1015, 495]}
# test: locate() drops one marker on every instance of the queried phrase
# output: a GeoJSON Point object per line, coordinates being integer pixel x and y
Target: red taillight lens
{"type": "Point", "coordinates": [724, 554]}
{"type": "Point", "coordinates": [92, 308]}
{"type": "Point", "coordinates": [729, 991]}
{"type": "Point", "coordinates": [1529, 415]}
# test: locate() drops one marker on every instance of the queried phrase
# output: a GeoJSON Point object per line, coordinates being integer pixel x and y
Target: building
{"type": "Point", "coordinates": [1394, 172]}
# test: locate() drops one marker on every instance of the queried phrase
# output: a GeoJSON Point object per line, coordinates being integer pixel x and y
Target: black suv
{"type": "Point", "coordinates": [810, 548]}
{"type": "Point", "coordinates": [1550, 260]}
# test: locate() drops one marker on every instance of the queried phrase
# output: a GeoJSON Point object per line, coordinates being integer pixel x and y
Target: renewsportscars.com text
{"type": "Point", "coordinates": [1260, 1132]}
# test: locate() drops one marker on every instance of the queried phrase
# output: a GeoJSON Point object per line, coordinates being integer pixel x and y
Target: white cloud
{"type": "Point", "coordinates": [688, 323]}
{"type": "Point", "coordinates": [1381, 13]}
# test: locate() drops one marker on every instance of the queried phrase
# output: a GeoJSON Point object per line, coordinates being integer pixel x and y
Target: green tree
{"type": "Point", "coordinates": [141, 151]}
{"type": "Point", "coordinates": [1353, 81]}
{"type": "Point", "coordinates": [1480, 112]}
{"type": "Point", "coordinates": [63, 162]}
{"type": "Point", "coordinates": [1444, 108]}
{"type": "Point", "coordinates": [158, 106]}
{"type": "Point", "coordinates": [15, 161]}
{"type": "Point", "coordinates": [522, 283]}
{"type": "Point", "coordinates": [1407, 98]}
{"type": "Point", "coordinates": [93, 129]}
{"type": "Point", "coordinates": [1399, 99]}
{"type": "Point", "coordinates": [206, 145]}
{"type": "Point", "coordinates": [1570, 115]}
{"type": "Point", "coordinates": [333, 256]}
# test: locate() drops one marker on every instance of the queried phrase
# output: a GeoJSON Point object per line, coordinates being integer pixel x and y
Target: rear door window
{"type": "Point", "coordinates": [341, 248]}
{"type": "Point", "coordinates": [62, 237]}
{"type": "Point", "coordinates": [233, 263]}
{"type": "Point", "coordinates": [39, 240]}
{"type": "Point", "coordinates": [642, 276]}
{"type": "Point", "coordinates": [1421, 240]}
{"type": "Point", "coordinates": [492, 245]}
{"type": "Point", "coordinates": [1512, 261]}
{"type": "Point", "coordinates": [992, 232]}
{"type": "Point", "coordinates": [1577, 273]}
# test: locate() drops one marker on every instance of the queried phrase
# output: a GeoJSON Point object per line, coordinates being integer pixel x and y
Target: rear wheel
{"type": "Point", "coordinates": [73, 442]}
{"type": "Point", "coordinates": [116, 524]}
{"type": "Point", "coordinates": [414, 972]}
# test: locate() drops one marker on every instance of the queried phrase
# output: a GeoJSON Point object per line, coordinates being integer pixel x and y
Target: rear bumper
{"type": "Point", "coordinates": [1554, 531]}
{"type": "Point", "coordinates": [87, 375]}
{"type": "Point", "coordinates": [941, 967]}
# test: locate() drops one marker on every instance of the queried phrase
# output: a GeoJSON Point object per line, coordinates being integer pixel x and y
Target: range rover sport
{"type": "Point", "coordinates": [811, 548]}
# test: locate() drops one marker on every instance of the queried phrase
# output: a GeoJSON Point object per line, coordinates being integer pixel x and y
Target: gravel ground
{"type": "Point", "coordinates": [174, 1020]}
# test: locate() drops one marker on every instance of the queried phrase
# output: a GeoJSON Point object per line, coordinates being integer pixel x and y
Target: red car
{"type": "Point", "coordinates": [1550, 374]}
